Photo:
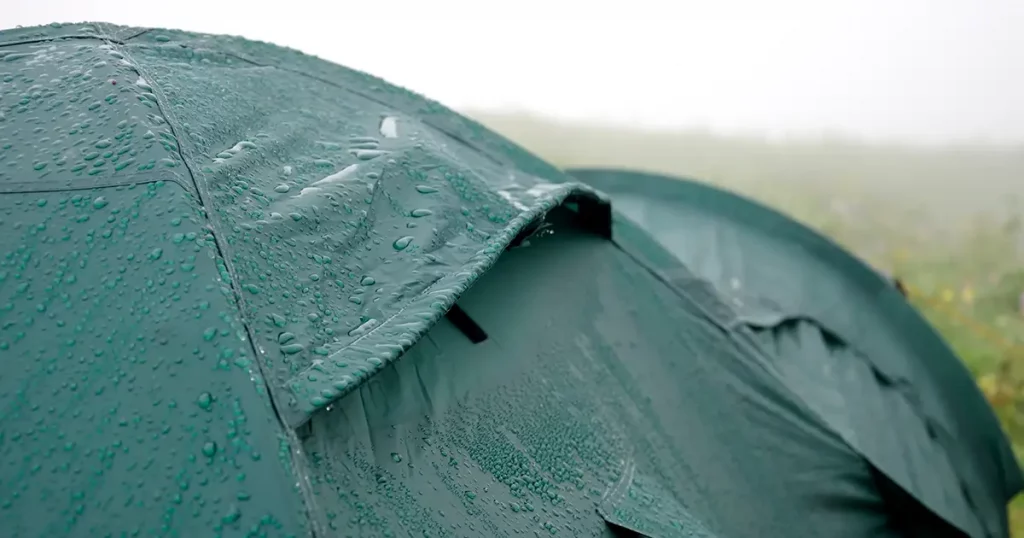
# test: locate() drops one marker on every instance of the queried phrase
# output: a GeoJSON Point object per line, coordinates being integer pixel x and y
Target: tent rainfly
{"type": "Point", "coordinates": [247, 292]}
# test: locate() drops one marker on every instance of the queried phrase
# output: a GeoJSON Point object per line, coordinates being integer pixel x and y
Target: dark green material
{"type": "Point", "coordinates": [847, 343]}
{"type": "Point", "coordinates": [224, 275]}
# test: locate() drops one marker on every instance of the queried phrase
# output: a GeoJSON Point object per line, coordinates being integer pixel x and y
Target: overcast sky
{"type": "Point", "coordinates": [915, 70]}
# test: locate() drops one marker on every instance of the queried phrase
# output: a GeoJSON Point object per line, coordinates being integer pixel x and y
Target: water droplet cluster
{"type": "Point", "coordinates": [188, 221]}
{"type": "Point", "coordinates": [130, 400]}
{"type": "Point", "coordinates": [77, 112]}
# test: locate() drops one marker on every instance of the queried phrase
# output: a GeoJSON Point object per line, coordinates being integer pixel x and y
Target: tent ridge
{"type": "Point", "coordinates": [201, 197]}
{"type": "Point", "coordinates": [323, 383]}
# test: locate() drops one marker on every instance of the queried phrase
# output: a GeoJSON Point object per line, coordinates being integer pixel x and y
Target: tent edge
{"type": "Point", "coordinates": [322, 384]}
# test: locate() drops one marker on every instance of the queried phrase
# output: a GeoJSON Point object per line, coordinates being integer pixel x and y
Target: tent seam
{"type": "Point", "coordinates": [295, 446]}
{"type": "Point", "coordinates": [120, 181]}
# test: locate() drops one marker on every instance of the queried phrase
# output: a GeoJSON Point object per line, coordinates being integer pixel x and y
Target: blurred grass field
{"type": "Point", "coordinates": [948, 220]}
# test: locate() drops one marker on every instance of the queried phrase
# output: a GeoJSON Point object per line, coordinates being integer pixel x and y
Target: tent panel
{"type": "Point", "coordinates": [349, 222]}
{"type": "Point", "coordinates": [789, 272]}
{"type": "Point", "coordinates": [579, 381]}
{"type": "Point", "coordinates": [876, 418]}
{"type": "Point", "coordinates": [129, 399]}
{"type": "Point", "coordinates": [73, 115]}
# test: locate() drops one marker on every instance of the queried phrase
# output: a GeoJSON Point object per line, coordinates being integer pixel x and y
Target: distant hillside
{"type": "Point", "coordinates": [940, 182]}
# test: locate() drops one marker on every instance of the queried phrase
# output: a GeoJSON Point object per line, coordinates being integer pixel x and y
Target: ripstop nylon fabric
{"type": "Point", "coordinates": [225, 268]}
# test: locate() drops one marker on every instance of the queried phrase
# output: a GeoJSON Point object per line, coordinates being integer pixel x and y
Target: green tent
{"type": "Point", "coordinates": [246, 292]}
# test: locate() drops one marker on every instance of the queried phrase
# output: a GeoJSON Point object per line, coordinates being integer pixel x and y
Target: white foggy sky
{"type": "Point", "coordinates": [914, 70]}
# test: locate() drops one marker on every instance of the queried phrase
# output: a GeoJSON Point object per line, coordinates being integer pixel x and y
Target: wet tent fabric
{"type": "Point", "coordinates": [588, 394]}
{"type": "Point", "coordinates": [225, 273]}
{"type": "Point", "coordinates": [844, 339]}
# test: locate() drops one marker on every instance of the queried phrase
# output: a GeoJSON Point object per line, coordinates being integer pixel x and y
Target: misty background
{"type": "Point", "coordinates": [913, 71]}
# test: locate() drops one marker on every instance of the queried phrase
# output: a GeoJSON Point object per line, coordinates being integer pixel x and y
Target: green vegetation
{"type": "Point", "coordinates": [945, 219]}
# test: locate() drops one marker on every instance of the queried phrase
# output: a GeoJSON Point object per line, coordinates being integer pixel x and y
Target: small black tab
{"type": "Point", "coordinates": [466, 325]}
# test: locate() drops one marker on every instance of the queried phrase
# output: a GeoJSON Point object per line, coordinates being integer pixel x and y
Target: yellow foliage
{"type": "Point", "coordinates": [989, 385]}
{"type": "Point", "coordinates": [967, 294]}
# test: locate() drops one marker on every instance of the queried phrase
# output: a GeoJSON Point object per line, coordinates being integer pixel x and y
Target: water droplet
{"type": "Point", "coordinates": [396, 457]}
{"type": "Point", "coordinates": [344, 382]}
{"type": "Point", "coordinates": [363, 328]}
{"type": "Point", "coordinates": [285, 337]}
{"type": "Point", "coordinates": [233, 515]}
{"type": "Point", "coordinates": [282, 188]}
{"type": "Point", "coordinates": [340, 175]}
{"type": "Point", "coordinates": [425, 189]}
{"type": "Point", "coordinates": [205, 401]}
{"type": "Point", "coordinates": [292, 349]}
{"type": "Point", "coordinates": [421, 212]}
{"type": "Point", "coordinates": [402, 242]}
{"type": "Point", "coordinates": [368, 281]}
{"type": "Point", "coordinates": [156, 253]}
{"type": "Point", "coordinates": [389, 127]}
{"type": "Point", "coordinates": [100, 202]}
{"type": "Point", "coordinates": [278, 320]}
{"type": "Point", "coordinates": [209, 449]}
{"type": "Point", "coordinates": [367, 154]}
{"type": "Point", "coordinates": [209, 334]}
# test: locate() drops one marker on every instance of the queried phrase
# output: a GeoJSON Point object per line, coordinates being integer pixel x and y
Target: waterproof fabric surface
{"type": "Point", "coordinates": [845, 340]}
{"type": "Point", "coordinates": [625, 401]}
{"type": "Point", "coordinates": [224, 280]}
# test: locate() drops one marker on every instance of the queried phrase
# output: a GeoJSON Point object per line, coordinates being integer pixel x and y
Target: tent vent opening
{"type": "Point", "coordinates": [623, 532]}
{"type": "Point", "coordinates": [527, 232]}
{"type": "Point", "coordinates": [465, 324]}
{"type": "Point", "coordinates": [305, 431]}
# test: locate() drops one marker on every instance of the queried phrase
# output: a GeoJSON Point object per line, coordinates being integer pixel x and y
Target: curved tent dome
{"type": "Point", "coordinates": [228, 284]}
{"type": "Point", "coordinates": [846, 341]}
